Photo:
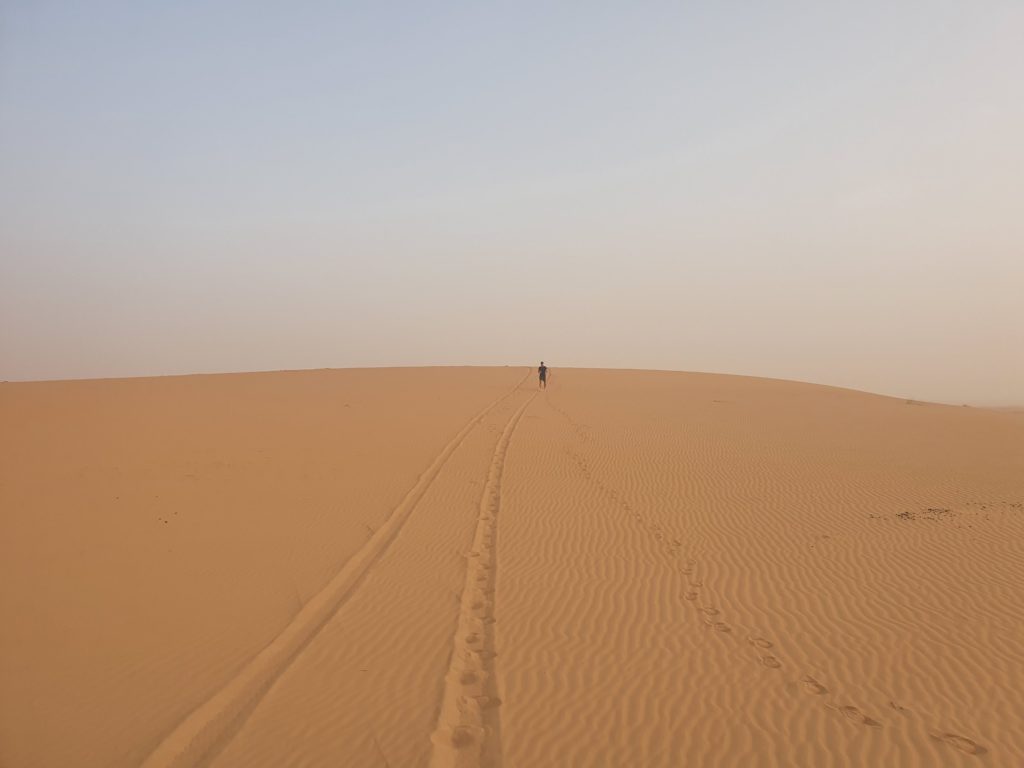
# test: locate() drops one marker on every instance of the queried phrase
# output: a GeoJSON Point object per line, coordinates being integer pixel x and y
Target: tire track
{"type": "Point", "coordinates": [468, 733]}
{"type": "Point", "coordinates": [203, 733]}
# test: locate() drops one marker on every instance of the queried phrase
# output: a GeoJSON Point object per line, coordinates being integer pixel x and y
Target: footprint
{"type": "Point", "coordinates": [771, 662]}
{"type": "Point", "coordinates": [691, 596]}
{"type": "Point", "coordinates": [488, 702]}
{"type": "Point", "coordinates": [901, 709]}
{"type": "Point", "coordinates": [855, 715]}
{"type": "Point", "coordinates": [709, 611]}
{"type": "Point", "coordinates": [760, 642]}
{"type": "Point", "coordinates": [962, 743]}
{"type": "Point", "coordinates": [462, 736]}
{"type": "Point", "coordinates": [813, 686]}
{"type": "Point", "coordinates": [721, 626]}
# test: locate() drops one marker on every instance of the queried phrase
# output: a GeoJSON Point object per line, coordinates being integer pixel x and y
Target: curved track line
{"type": "Point", "coordinates": [468, 732]}
{"type": "Point", "coordinates": [202, 734]}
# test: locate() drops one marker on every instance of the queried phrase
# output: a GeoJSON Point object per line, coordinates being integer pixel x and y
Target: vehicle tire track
{"type": "Point", "coordinates": [468, 732]}
{"type": "Point", "coordinates": [204, 732]}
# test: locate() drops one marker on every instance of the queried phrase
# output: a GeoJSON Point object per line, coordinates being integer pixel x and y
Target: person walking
{"type": "Point", "coordinates": [543, 373]}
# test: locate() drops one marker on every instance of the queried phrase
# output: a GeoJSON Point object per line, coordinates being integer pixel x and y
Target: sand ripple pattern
{"type": "Point", "coordinates": [694, 570]}
{"type": "Point", "coordinates": [771, 658]}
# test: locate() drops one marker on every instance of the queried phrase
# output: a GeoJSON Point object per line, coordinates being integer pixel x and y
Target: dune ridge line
{"type": "Point", "coordinates": [204, 732]}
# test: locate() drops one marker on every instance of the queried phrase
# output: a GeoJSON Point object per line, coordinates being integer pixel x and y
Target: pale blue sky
{"type": "Point", "coordinates": [820, 191]}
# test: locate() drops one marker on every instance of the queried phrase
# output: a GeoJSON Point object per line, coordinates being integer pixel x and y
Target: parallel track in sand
{"type": "Point", "coordinates": [204, 733]}
{"type": "Point", "coordinates": [468, 733]}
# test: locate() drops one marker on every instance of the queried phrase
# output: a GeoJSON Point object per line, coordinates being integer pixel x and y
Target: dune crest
{"type": "Point", "coordinates": [449, 567]}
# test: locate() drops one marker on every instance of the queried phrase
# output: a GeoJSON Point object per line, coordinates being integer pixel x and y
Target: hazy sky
{"type": "Point", "coordinates": [831, 192]}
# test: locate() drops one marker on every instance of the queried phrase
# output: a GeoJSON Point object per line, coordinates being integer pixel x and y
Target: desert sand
{"type": "Point", "coordinates": [449, 567]}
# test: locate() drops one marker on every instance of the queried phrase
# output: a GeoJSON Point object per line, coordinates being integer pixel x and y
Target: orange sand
{"type": "Point", "coordinates": [448, 567]}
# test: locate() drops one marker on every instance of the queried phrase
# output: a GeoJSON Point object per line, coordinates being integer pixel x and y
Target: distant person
{"type": "Point", "coordinates": [543, 373]}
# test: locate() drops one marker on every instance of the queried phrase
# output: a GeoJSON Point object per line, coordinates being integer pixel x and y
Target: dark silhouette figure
{"type": "Point", "coordinates": [543, 373]}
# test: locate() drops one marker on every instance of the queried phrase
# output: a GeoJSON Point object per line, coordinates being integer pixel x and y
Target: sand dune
{"type": "Point", "coordinates": [448, 567]}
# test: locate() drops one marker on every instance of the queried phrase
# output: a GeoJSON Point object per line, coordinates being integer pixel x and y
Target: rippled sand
{"type": "Point", "coordinates": [448, 566]}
